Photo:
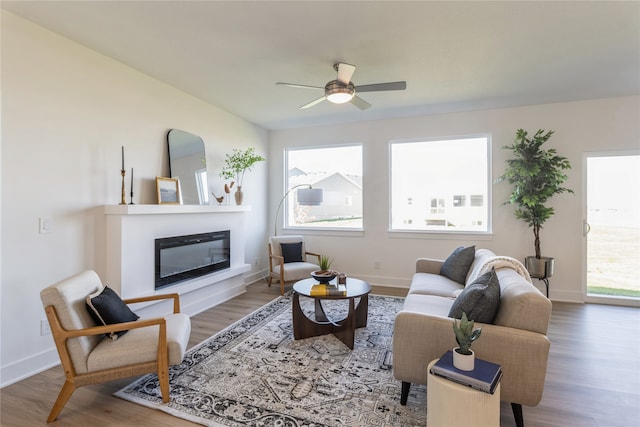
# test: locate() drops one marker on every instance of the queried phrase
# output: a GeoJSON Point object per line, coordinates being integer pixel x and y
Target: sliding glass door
{"type": "Point", "coordinates": [612, 228]}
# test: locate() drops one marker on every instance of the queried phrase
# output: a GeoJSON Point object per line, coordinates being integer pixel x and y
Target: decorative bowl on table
{"type": "Point", "coordinates": [324, 276]}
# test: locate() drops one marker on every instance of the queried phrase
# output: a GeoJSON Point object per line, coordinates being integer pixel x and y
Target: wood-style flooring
{"type": "Point", "coordinates": [593, 377]}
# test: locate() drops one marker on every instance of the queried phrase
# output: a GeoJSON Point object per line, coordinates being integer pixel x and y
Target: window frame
{"type": "Point", "coordinates": [480, 234]}
{"type": "Point", "coordinates": [285, 223]}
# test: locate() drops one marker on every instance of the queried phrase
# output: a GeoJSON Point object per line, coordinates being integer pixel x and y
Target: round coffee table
{"type": "Point", "coordinates": [344, 330]}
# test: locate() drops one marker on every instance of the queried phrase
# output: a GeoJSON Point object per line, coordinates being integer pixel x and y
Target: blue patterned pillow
{"type": "Point", "coordinates": [480, 299]}
{"type": "Point", "coordinates": [457, 265]}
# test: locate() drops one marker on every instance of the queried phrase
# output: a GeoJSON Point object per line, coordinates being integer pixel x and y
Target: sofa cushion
{"type": "Point", "coordinates": [456, 266]}
{"type": "Point", "coordinates": [430, 305]}
{"type": "Point", "coordinates": [106, 307]}
{"type": "Point", "coordinates": [433, 284]}
{"type": "Point", "coordinates": [292, 252]}
{"type": "Point", "coordinates": [480, 299]}
{"type": "Point", "coordinates": [482, 257]}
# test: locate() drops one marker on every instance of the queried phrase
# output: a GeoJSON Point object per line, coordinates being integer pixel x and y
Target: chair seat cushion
{"type": "Point", "coordinates": [141, 345]}
{"type": "Point", "coordinates": [296, 270]}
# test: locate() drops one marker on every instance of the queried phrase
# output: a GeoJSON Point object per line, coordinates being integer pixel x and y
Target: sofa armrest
{"type": "Point", "coordinates": [420, 338]}
{"type": "Point", "coordinates": [428, 265]}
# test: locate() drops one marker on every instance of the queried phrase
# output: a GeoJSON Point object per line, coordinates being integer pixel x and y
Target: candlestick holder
{"type": "Point", "coordinates": [122, 200]}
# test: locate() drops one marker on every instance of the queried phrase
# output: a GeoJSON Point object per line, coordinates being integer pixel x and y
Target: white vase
{"type": "Point", "coordinates": [464, 362]}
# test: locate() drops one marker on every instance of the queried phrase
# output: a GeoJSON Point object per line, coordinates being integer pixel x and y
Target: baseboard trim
{"type": "Point", "coordinates": [29, 366]}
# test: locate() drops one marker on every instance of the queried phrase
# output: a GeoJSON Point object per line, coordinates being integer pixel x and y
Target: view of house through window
{"type": "Point", "coordinates": [337, 170]}
{"type": "Point", "coordinates": [440, 185]}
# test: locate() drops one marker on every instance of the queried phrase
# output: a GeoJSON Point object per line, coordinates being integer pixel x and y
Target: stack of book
{"type": "Point", "coordinates": [325, 290]}
{"type": "Point", "coordinates": [485, 376]}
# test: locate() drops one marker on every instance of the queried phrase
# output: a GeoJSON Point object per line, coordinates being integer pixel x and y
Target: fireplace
{"type": "Point", "coordinates": [181, 258]}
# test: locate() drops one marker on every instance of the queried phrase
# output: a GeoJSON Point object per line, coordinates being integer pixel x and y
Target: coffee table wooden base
{"type": "Point", "coordinates": [344, 330]}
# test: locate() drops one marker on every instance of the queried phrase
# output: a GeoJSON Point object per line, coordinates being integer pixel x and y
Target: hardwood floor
{"type": "Point", "coordinates": [593, 377]}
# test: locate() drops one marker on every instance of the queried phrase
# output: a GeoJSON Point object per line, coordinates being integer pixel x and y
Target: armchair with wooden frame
{"type": "Point", "coordinates": [89, 357]}
{"type": "Point", "coordinates": [291, 264]}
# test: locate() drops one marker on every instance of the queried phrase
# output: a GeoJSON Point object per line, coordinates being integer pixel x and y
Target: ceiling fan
{"type": "Point", "coordinates": [343, 90]}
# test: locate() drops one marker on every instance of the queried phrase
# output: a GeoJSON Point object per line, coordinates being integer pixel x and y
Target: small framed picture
{"type": "Point", "coordinates": [168, 191]}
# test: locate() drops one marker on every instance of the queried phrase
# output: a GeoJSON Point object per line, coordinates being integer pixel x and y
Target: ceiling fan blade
{"type": "Point", "coordinates": [312, 103]}
{"type": "Point", "coordinates": [382, 86]}
{"type": "Point", "coordinates": [345, 72]}
{"type": "Point", "coordinates": [360, 103]}
{"type": "Point", "coordinates": [299, 86]}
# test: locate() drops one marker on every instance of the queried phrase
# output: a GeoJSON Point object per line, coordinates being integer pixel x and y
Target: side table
{"type": "Point", "coordinates": [453, 404]}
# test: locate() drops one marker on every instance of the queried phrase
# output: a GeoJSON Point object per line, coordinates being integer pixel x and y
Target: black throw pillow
{"type": "Point", "coordinates": [292, 252]}
{"type": "Point", "coordinates": [107, 308]}
{"type": "Point", "coordinates": [480, 299]}
{"type": "Point", "coordinates": [457, 265]}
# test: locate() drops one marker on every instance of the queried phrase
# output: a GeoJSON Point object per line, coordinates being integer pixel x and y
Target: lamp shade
{"type": "Point", "coordinates": [310, 196]}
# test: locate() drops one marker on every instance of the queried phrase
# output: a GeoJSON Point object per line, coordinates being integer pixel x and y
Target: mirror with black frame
{"type": "Point", "coordinates": [187, 162]}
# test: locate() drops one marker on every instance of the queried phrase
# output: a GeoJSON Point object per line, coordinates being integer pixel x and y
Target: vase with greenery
{"type": "Point", "coordinates": [463, 356]}
{"type": "Point", "coordinates": [536, 175]}
{"type": "Point", "coordinates": [237, 164]}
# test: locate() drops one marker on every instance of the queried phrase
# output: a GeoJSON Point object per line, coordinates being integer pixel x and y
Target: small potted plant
{"type": "Point", "coordinates": [235, 166]}
{"type": "Point", "coordinates": [324, 275]}
{"type": "Point", "coordinates": [463, 356]}
{"type": "Point", "coordinates": [536, 175]}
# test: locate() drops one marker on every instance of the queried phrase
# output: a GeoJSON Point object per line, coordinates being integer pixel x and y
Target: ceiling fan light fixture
{"type": "Point", "coordinates": [338, 93]}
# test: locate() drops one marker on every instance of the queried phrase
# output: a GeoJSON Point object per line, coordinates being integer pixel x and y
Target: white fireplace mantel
{"type": "Point", "coordinates": [131, 233]}
{"type": "Point", "coordinates": [172, 209]}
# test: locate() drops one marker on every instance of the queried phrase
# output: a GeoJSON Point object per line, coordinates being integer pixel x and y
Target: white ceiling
{"type": "Point", "coordinates": [453, 55]}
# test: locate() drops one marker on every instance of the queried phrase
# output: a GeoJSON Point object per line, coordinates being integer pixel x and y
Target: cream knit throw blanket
{"type": "Point", "coordinates": [499, 262]}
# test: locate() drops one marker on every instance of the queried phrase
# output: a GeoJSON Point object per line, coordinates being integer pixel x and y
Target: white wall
{"type": "Point", "coordinates": [66, 111]}
{"type": "Point", "coordinates": [607, 124]}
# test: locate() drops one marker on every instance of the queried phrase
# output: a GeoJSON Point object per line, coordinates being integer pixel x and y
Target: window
{"type": "Point", "coordinates": [447, 181]}
{"type": "Point", "coordinates": [337, 170]}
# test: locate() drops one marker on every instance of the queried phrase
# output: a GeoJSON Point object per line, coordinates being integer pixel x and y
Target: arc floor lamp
{"type": "Point", "coordinates": [306, 197]}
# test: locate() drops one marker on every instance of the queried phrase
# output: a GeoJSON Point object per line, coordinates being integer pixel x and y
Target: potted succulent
{"type": "Point", "coordinates": [463, 356]}
{"type": "Point", "coordinates": [536, 175]}
{"type": "Point", "coordinates": [235, 166]}
{"type": "Point", "coordinates": [324, 275]}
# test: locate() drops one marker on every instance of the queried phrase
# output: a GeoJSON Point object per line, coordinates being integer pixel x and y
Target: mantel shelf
{"type": "Point", "coordinates": [172, 209]}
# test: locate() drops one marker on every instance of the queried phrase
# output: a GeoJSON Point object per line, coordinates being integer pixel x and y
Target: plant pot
{"type": "Point", "coordinates": [464, 362]}
{"type": "Point", "coordinates": [539, 268]}
{"type": "Point", "coordinates": [238, 195]}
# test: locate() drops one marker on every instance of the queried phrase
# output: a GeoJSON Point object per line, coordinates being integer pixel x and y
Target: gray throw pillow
{"type": "Point", "coordinates": [480, 299]}
{"type": "Point", "coordinates": [457, 265]}
{"type": "Point", "coordinates": [291, 252]}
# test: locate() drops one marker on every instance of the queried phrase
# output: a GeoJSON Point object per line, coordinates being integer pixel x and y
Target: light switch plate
{"type": "Point", "coordinates": [46, 225]}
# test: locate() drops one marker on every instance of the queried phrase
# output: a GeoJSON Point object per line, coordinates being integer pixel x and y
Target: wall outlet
{"type": "Point", "coordinates": [256, 262]}
{"type": "Point", "coordinates": [45, 329]}
{"type": "Point", "coordinates": [376, 265]}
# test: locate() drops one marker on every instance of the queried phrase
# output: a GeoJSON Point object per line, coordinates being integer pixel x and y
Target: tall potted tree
{"type": "Point", "coordinates": [536, 175]}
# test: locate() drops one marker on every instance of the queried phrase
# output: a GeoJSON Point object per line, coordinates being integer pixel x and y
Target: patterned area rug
{"type": "Point", "coordinates": [254, 374]}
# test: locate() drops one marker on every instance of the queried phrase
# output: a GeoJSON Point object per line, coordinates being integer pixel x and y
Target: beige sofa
{"type": "Point", "coordinates": [516, 339]}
